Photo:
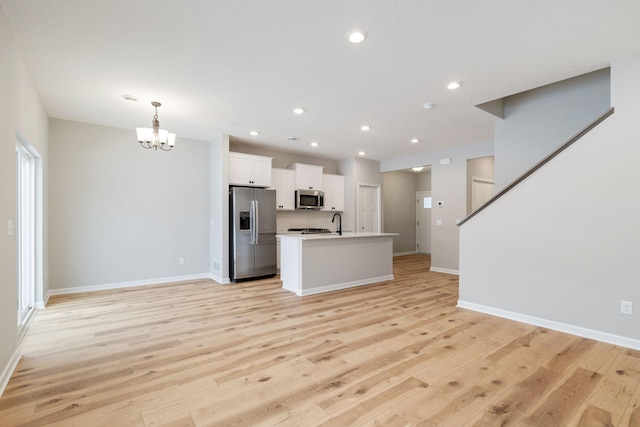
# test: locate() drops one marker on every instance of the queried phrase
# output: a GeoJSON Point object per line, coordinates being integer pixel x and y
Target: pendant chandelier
{"type": "Point", "coordinates": [155, 137]}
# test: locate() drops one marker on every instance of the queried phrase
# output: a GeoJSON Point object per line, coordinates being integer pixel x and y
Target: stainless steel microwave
{"type": "Point", "coordinates": [309, 199]}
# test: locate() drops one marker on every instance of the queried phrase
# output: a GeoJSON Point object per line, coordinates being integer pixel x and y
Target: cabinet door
{"type": "Point", "coordinates": [261, 171]}
{"type": "Point", "coordinates": [308, 177]}
{"type": "Point", "coordinates": [333, 193]}
{"type": "Point", "coordinates": [247, 169]}
{"type": "Point", "coordinates": [287, 189]}
{"type": "Point", "coordinates": [315, 178]}
{"type": "Point", "coordinates": [239, 169]}
{"type": "Point", "coordinates": [283, 181]}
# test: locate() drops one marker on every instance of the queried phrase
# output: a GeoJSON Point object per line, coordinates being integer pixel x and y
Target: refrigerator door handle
{"type": "Point", "coordinates": [256, 222]}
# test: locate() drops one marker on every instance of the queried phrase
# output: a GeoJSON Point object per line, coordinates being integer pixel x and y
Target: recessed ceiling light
{"type": "Point", "coordinates": [415, 140]}
{"type": "Point", "coordinates": [254, 133]}
{"type": "Point", "coordinates": [298, 110]}
{"type": "Point", "coordinates": [314, 144]}
{"type": "Point", "coordinates": [365, 127]}
{"type": "Point", "coordinates": [361, 153]}
{"type": "Point", "coordinates": [357, 36]}
{"type": "Point", "coordinates": [417, 169]}
{"type": "Point", "coordinates": [454, 85]}
{"type": "Point", "coordinates": [427, 105]}
{"type": "Point", "coordinates": [129, 98]}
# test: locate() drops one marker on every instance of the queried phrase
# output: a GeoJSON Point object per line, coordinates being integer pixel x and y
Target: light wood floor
{"type": "Point", "coordinates": [394, 354]}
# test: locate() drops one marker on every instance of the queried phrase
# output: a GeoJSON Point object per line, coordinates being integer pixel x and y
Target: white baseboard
{"type": "Point", "coordinates": [444, 270]}
{"type": "Point", "coordinates": [118, 285]}
{"type": "Point", "coordinates": [340, 286]}
{"type": "Point", "coordinates": [556, 326]}
{"type": "Point", "coordinates": [405, 253]}
{"type": "Point", "coordinates": [8, 369]}
{"type": "Point", "coordinates": [221, 280]}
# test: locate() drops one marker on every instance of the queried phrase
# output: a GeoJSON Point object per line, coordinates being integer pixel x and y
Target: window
{"type": "Point", "coordinates": [426, 202]}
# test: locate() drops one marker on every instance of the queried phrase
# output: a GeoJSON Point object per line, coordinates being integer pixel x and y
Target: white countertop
{"type": "Point", "coordinates": [326, 236]}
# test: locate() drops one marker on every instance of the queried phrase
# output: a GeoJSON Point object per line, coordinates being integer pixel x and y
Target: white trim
{"type": "Point", "coordinates": [444, 270]}
{"type": "Point", "coordinates": [556, 326]}
{"type": "Point", "coordinates": [24, 327]}
{"type": "Point", "coordinates": [405, 253]}
{"type": "Point", "coordinates": [43, 304]}
{"type": "Point", "coordinates": [118, 285]}
{"type": "Point", "coordinates": [8, 369]}
{"type": "Point", "coordinates": [222, 281]}
{"type": "Point", "coordinates": [340, 286]}
{"type": "Point", "coordinates": [418, 207]}
{"type": "Point", "coordinates": [481, 179]}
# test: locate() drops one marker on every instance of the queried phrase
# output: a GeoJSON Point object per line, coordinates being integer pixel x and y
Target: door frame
{"type": "Point", "coordinates": [378, 188]}
{"type": "Point", "coordinates": [418, 193]}
{"type": "Point", "coordinates": [38, 297]}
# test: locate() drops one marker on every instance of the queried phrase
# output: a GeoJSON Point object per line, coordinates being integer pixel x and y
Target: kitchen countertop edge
{"type": "Point", "coordinates": [327, 236]}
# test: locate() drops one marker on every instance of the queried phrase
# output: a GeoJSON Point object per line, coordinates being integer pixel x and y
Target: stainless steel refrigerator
{"type": "Point", "coordinates": [252, 237]}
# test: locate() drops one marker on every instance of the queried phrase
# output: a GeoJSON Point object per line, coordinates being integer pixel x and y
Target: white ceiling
{"type": "Point", "coordinates": [239, 65]}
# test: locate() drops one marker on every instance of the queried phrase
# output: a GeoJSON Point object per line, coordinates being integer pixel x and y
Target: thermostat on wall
{"type": "Point", "coordinates": [445, 161]}
{"type": "Point", "coordinates": [440, 203]}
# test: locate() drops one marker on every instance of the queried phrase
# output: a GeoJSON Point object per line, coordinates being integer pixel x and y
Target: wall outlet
{"type": "Point", "coordinates": [181, 261]}
{"type": "Point", "coordinates": [626, 307]}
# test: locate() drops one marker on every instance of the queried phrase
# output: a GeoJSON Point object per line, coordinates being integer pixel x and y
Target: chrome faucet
{"type": "Point", "coordinates": [339, 222]}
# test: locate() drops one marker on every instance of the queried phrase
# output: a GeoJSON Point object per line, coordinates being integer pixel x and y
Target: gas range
{"type": "Point", "coordinates": [310, 230]}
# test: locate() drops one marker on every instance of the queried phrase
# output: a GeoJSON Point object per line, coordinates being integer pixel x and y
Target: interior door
{"type": "Point", "coordinates": [482, 190]}
{"type": "Point", "coordinates": [423, 222]}
{"type": "Point", "coordinates": [368, 208]}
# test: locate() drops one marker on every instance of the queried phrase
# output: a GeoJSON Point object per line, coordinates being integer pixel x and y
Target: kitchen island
{"type": "Point", "coordinates": [316, 263]}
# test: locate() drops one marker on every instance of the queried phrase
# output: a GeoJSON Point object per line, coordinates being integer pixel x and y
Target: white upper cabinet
{"type": "Point", "coordinates": [308, 177]}
{"type": "Point", "coordinates": [284, 182]}
{"type": "Point", "coordinates": [250, 170]}
{"type": "Point", "coordinates": [333, 192]}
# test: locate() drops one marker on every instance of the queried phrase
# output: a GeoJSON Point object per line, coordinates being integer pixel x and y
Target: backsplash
{"type": "Point", "coordinates": [303, 219]}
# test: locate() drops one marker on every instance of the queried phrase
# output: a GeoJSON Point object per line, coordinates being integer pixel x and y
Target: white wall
{"type": "Point", "coordinates": [561, 249]}
{"type": "Point", "coordinates": [21, 113]}
{"type": "Point", "coordinates": [540, 120]}
{"type": "Point", "coordinates": [121, 213]}
{"type": "Point", "coordinates": [219, 209]}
